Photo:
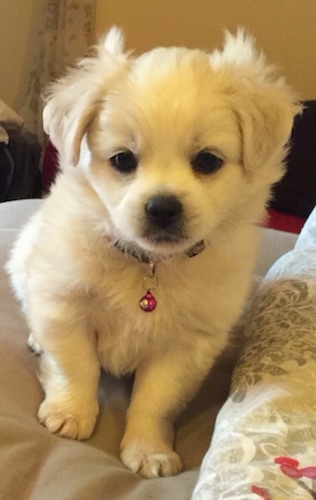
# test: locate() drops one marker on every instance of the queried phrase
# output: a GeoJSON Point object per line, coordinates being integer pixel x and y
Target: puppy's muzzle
{"type": "Point", "coordinates": [164, 219]}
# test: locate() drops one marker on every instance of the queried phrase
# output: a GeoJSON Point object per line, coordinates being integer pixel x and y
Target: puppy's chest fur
{"type": "Point", "coordinates": [126, 334]}
{"type": "Point", "coordinates": [195, 300]}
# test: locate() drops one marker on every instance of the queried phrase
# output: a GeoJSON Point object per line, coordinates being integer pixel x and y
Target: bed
{"type": "Point", "coordinates": [37, 465]}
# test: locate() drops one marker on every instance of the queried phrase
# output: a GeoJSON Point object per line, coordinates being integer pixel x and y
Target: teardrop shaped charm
{"type": "Point", "coordinates": [148, 303]}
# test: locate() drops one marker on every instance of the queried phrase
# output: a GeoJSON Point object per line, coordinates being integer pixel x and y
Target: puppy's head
{"type": "Point", "coordinates": [177, 144]}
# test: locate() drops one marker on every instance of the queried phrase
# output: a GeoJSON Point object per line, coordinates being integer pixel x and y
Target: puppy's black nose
{"type": "Point", "coordinates": [164, 210]}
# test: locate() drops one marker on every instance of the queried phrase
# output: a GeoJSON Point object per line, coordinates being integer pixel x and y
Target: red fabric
{"type": "Point", "coordinates": [50, 167]}
{"type": "Point", "coordinates": [284, 222]}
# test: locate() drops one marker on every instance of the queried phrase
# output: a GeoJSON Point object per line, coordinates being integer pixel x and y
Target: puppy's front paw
{"type": "Point", "coordinates": [67, 419]}
{"type": "Point", "coordinates": [142, 458]}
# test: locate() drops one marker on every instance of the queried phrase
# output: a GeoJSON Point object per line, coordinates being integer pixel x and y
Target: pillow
{"type": "Point", "coordinates": [264, 442]}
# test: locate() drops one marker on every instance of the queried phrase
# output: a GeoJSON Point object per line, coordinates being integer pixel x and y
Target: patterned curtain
{"type": "Point", "coordinates": [65, 33]}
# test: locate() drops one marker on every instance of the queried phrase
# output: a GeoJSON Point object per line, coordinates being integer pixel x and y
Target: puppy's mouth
{"type": "Point", "coordinates": [165, 237]}
{"type": "Point", "coordinates": [153, 245]}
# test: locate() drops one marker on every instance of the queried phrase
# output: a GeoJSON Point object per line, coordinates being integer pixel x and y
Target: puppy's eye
{"type": "Point", "coordinates": [206, 162]}
{"type": "Point", "coordinates": [124, 162]}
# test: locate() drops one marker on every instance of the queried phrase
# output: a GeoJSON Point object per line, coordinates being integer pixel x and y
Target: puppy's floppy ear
{"type": "Point", "coordinates": [72, 101]}
{"type": "Point", "coordinates": [264, 104]}
{"type": "Point", "coordinates": [266, 119]}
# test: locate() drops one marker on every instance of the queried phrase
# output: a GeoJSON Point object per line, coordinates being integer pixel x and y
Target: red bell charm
{"type": "Point", "coordinates": [148, 303]}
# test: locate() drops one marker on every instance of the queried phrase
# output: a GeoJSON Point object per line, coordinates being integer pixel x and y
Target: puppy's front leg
{"type": "Point", "coordinates": [162, 388]}
{"type": "Point", "coordinates": [70, 372]}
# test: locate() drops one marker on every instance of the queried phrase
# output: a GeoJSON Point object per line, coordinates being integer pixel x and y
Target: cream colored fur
{"type": "Point", "coordinates": [80, 294]}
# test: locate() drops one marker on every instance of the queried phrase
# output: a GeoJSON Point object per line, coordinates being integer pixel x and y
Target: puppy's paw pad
{"type": "Point", "coordinates": [65, 421]}
{"type": "Point", "coordinates": [151, 464]}
{"type": "Point", "coordinates": [33, 345]}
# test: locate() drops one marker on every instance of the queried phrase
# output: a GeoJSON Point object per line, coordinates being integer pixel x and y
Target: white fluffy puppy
{"type": "Point", "coordinates": [141, 257]}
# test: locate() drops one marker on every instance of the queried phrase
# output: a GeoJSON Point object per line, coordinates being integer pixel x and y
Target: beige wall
{"type": "Point", "coordinates": [285, 29]}
{"type": "Point", "coordinates": [18, 24]}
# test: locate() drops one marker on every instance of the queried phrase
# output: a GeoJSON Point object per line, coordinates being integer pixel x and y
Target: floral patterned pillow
{"type": "Point", "coordinates": [264, 443]}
